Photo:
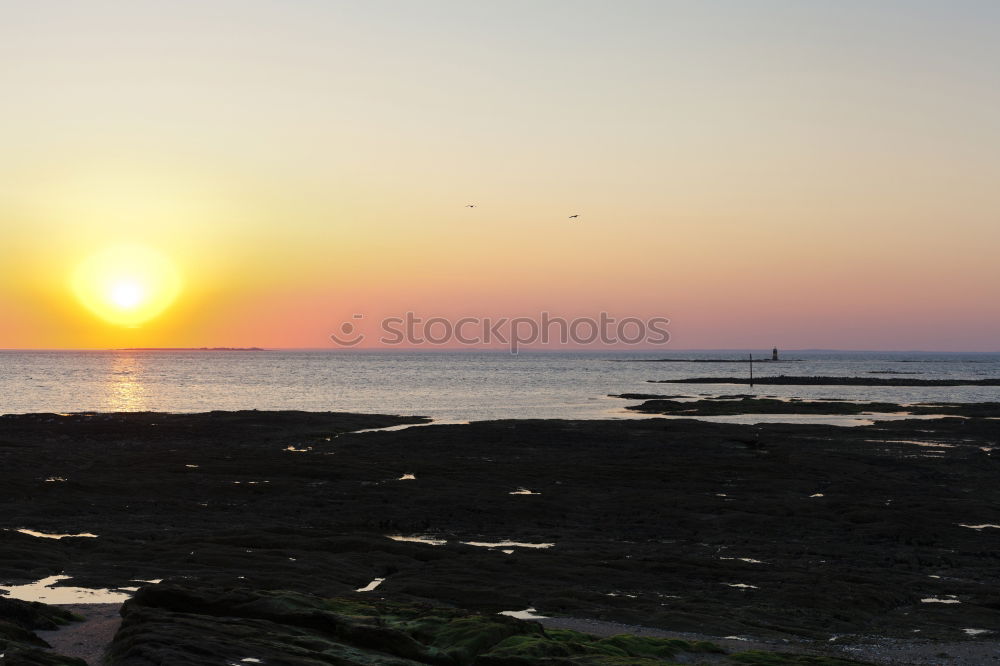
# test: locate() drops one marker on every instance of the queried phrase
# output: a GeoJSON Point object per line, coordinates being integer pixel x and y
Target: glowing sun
{"type": "Point", "coordinates": [126, 285]}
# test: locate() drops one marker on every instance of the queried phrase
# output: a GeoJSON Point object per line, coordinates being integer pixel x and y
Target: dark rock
{"type": "Point", "coordinates": [735, 405]}
{"type": "Point", "coordinates": [19, 646]}
{"type": "Point", "coordinates": [783, 380]}
{"type": "Point", "coordinates": [655, 522]}
{"type": "Point", "coordinates": [177, 624]}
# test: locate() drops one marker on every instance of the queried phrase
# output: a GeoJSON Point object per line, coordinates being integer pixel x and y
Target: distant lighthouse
{"type": "Point", "coordinates": [774, 354]}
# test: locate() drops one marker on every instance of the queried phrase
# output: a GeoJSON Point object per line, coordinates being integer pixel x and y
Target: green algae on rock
{"type": "Point", "coordinates": [202, 626]}
{"type": "Point", "coordinates": [769, 532]}
{"type": "Point", "coordinates": [19, 645]}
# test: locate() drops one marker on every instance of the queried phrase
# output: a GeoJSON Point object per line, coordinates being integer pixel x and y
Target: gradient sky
{"type": "Point", "coordinates": [803, 174]}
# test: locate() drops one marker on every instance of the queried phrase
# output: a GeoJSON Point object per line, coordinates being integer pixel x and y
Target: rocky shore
{"type": "Point", "coordinates": [746, 404]}
{"type": "Point", "coordinates": [810, 539]}
{"type": "Point", "coordinates": [787, 380]}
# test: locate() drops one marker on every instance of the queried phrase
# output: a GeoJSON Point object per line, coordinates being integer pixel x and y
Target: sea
{"type": "Point", "coordinates": [456, 386]}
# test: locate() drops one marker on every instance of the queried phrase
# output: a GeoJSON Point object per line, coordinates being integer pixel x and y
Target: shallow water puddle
{"type": "Point", "coordinates": [371, 586]}
{"type": "Point", "coordinates": [976, 632]}
{"type": "Point", "coordinates": [42, 590]}
{"type": "Point", "coordinates": [406, 426]}
{"type": "Point", "coordinates": [526, 614]}
{"type": "Point", "coordinates": [980, 527]}
{"type": "Point", "coordinates": [55, 479]}
{"type": "Point", "coordinates": [748, 560]}
{"type": "Point", "coordinates": [817, 495]}
{"type": "Point", "coordinates": [47, 535]}
{"type": "Point", "coordinates": [523, 491]}
{"type": "Point", "coordinates": [742, 586]}
{"type": "Point", "coordinates": [915, 442]}
{"type": "Point", "coordinates": [805, 419]}
{"type": "Point", "coordinates": [407, 477]}
{"type": "Point", "coordinates": [291, 449]}
{"type": "Point", "coordinates": [418, 539]}
{"type": "Point", "coordinates": [508, 544]}
{"type": "Point", "coordinates": [938, 600]}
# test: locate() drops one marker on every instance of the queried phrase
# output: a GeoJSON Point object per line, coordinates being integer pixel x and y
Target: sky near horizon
{"type": "Point", "coordinates": [761, 172]}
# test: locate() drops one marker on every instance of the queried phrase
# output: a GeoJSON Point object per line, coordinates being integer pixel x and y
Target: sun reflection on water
{"type": "Point", "coordinates": [123, 387]}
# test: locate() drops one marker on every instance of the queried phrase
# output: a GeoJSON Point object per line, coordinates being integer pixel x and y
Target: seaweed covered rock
{"type": "Point", "coordinates": [19, 645]}
{"type": "Point", "coordinates": [33, 615]}
{"type": "Point", "coordinates": [757, 658]}
{"type": "Point", "coordinates": [771, 532]}
{"type": "Point", "coordinates": [571, 647]}
{"type": "Point", "coordinates": [171, 623]}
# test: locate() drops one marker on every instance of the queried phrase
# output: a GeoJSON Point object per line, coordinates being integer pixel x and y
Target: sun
{"type": "Point", "coordinates": [127, 295]}
{"type": "Point", "coordinates": [126, 285]}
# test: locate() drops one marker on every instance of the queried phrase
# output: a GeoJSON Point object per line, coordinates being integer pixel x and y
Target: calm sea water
{"type": "Point", "coordinates": [447, 386]}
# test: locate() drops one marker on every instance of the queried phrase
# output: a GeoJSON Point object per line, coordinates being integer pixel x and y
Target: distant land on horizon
{"type": "Point", "coordinates": [190, 349]}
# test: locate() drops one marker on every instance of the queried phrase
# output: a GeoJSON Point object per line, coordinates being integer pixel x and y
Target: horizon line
{"type": "Point", "coordinates": [491, 349]}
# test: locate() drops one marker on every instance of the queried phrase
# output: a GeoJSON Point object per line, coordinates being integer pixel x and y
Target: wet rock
{"type": "Point", "coordinates": [737, 405]}
{"type": "Point", "coordinates": [19, 645]}
{"type": "Point", "coordinates": [178, 624]}
{"type": "Point", "coordinates": [669, 523]}
{"type": "Point", "coordinates": [787, 380]}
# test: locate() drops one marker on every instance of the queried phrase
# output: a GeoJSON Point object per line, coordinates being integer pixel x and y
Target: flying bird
{"type": "Point", "coordinates": [470, 205]}
{"type": "Point", "coordinates": [572, 216]}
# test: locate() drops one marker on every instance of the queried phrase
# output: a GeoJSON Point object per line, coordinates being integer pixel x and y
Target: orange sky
{"type": "Point", "coordinates": [763, 173]}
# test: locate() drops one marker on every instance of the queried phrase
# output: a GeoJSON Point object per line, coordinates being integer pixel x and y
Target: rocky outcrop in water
{"type": "Point", "coordinates": [736, 405]}
{"type": "Point", "coordinates": [783, 380]}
